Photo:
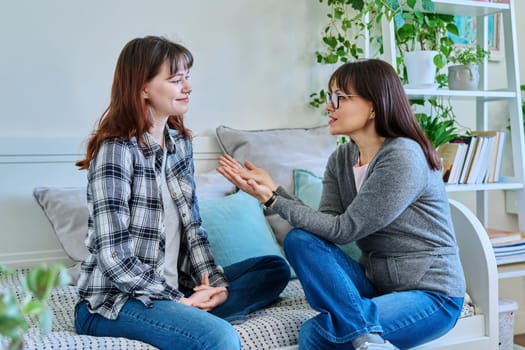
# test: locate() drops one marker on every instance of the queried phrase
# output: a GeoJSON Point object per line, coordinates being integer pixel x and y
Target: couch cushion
{"type": "Point", "coordinates": [237, 229]}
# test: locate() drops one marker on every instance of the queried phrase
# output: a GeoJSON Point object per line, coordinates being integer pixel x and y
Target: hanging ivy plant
{"type": "Point", "coordinates": [350, 22]}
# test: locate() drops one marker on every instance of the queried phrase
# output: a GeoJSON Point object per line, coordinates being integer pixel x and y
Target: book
{"type": "Point", "coordinates": [473, 144]}
{"type": "Point", "coordinates": [510, 259]}
{"type": "Point", "coordinates": [498, 237]}
{"type": "Point", "coordinates": [476, 160]}
{"type": "Point", "coordinates": [485, 160]}
{"type": "Point", "coordinates": [451, 155]}
{"type": "Point", "coordinates": [447, 152]}
{"type": "Point", "coordinates": [496, 153]}
{"type": "Point", "coordinates": [457, 166]}
{"type": "Point", "coordinates": [501, 147]}
{"type": "Point", "coordinates": [461, 158]}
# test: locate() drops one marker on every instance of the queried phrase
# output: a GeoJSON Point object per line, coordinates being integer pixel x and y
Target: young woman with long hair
{"type": "Point", "coordinates": [150, 275]}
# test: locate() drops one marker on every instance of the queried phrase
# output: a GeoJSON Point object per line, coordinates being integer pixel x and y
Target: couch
{"type": "Point", "coordinates": [296, 158]}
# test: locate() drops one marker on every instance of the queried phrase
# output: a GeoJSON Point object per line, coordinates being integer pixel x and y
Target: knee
{"type": "Point", "coordinates": [280, 270]}
{"type": "Point", "coordinates": [223, 337]}
{"type": "Point", "coordinates": [308, 337]}
{"type": "Point", "coordinates": [295, 240]}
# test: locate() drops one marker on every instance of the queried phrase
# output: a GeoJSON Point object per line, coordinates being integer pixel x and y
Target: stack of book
{"type": "Point", "coordinates": [509, 246]}
{"type": "Point", "coordinates": [473, 159]}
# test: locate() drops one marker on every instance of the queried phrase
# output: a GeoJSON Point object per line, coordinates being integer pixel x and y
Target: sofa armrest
{"type": "Point", "coordinates": [479, 264]}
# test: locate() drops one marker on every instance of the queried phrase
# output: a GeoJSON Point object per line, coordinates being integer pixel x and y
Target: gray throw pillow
{"type": "Point", "coordinates": [279, 151]}
{"type": "Point", "coordinates": [66, 210]}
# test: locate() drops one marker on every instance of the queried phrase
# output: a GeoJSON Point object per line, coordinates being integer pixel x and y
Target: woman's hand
{"type": "Point", "coordinates": [206, 297]}
{"type": "Point", "coordinates": [252, 180]}
{"type": "Point", "coordinates": [249, 171]}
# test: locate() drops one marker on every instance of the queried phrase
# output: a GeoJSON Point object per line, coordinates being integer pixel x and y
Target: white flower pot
{"type": "Point", "coordinates": [421, 70]}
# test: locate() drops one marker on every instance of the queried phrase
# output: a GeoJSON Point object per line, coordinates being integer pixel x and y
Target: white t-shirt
{"type": "Point", "coordinates": [172, 229]}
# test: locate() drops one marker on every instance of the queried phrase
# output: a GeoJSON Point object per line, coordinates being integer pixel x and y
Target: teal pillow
{"type": "Point", "coordinates": [237, 228]}
{"type": "Point", "coordinates": [308, 188]}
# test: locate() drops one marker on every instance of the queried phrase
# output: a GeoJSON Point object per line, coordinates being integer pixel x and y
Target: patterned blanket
{"type": "Point", "coordinates": [274, 327]}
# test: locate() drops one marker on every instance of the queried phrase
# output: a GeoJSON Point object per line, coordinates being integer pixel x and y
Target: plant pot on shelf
{"type": "Point", "coordinates": [421, 70]}
{"type": "Point", "coordinates": [463, 77]}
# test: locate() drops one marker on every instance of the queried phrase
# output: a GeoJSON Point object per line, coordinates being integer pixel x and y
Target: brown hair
{"type": "Point", "coordinates": [377, 81]}
{"type": "Point", "coordinates": [126, 116]}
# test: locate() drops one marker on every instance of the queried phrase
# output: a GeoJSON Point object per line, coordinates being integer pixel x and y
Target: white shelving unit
{"type": "Point", "coordinates": [511, 95]}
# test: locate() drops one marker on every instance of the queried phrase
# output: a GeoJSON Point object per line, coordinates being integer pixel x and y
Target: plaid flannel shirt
{"type": "Point", "coordinates": [126, 236]}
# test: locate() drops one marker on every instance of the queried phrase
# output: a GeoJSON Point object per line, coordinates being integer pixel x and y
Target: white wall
{"type": "Point", "coordinates": [254, 62]}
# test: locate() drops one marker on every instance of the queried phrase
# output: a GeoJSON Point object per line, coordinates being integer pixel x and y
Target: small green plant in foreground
{"type": "Point", "coordinates": [38, 285]}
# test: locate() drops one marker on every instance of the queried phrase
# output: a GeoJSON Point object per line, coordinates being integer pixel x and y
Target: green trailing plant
{"type": "Point", "coordinates": [348, 23]}
{"type": "Point", "coordinates": [37, 288]}
{"type": "Point", "coordinates": [414, 22]}
{"type": "Point", "coordinates": [472, 54]}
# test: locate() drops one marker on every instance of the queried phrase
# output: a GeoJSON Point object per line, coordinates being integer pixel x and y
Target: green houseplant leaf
{"type": "Point", "coordinates": [38, 285]}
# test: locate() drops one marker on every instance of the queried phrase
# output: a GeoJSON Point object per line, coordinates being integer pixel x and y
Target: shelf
{"type": "Point", "coordinates": [511, 270]}
{"type": "Point", "coordinates": [486, 95]}
{"type": "Point", "coordinates": [468, 7]}
{"type": "Point", "coordinates": [502, 185]}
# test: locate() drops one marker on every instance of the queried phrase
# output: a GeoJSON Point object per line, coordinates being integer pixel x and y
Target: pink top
{"type": "Point", "coordinates": [359, 174]}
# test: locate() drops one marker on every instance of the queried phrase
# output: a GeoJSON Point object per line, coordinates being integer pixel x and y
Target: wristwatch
{"type": "Point", "coordinates": [270, 201]}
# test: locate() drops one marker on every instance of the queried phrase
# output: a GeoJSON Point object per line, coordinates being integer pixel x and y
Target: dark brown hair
{"type": "Point", "coordinates": [377, 81]}
{"type": "Point", "coordinates": [126, 116]}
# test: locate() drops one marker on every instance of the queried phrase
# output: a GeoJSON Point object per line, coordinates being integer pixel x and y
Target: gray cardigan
{"type": "Point", "coordinates": [400, 218]}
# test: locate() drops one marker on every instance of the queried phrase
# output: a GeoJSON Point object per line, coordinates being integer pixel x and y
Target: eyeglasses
{"type": "Point", "coordinates": [334, 98]}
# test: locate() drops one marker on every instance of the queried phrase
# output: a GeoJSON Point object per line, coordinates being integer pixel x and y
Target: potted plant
{"type": "Point", "coordinates": [423, 45]}
{"type": "Point", "coordinates": [348, 21]}
{"type": "Point", "coordinates": [39, 283]}
{"type": "Point", "coordinates": [464, 75]}
{"type": "Point", "coordinates": [416, 26]}
{"type": "Point", "coordinates": [438, 123]}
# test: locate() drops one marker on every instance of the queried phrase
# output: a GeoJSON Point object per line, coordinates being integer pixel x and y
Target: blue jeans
{"type": "Point", "coordinates": [167, 324]}
{"type": "Point", "coordinates": [350, 306]}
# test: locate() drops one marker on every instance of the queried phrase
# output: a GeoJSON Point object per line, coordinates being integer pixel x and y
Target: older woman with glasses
{"type": "Point", "coordinates": [384, 191]}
